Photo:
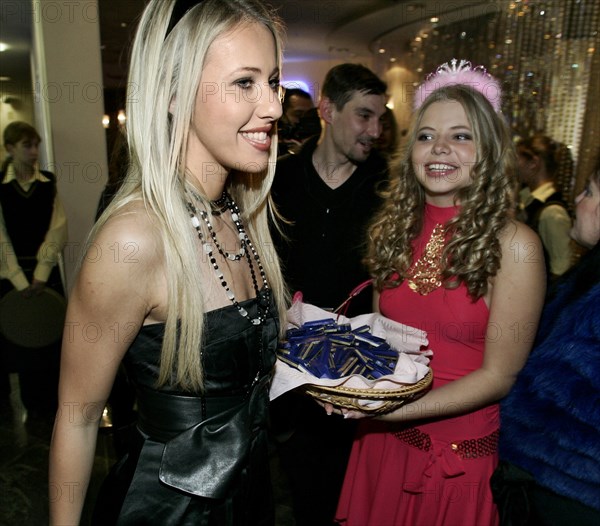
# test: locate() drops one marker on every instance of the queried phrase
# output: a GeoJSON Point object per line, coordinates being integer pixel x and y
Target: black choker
{"type": "Point", "coordinates": [221, 200]}
{"type": "Point", "coordinates": [218, 206]}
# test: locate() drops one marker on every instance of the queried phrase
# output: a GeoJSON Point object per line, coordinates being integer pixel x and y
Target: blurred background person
{"type": "Point", "coordinates": [387, 143]}
{"type": "Point", "coordinates": [542, 204]}
{"type": "Point", "coordinates": [33, 232]}
{"type": "Point", "coordinates": [550, 434]}
{"type": "Point", "coordinates": [292, 127]}
{"type": "Point", "coordinates": [117, 171]}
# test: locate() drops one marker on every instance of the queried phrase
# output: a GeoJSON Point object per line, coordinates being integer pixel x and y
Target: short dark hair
{"type": "Point", "coordinates": [343, 80]}
{"type": "Point", "coordinates": [17, 131]}
{"type": "Point", "coordinates": [290, 92]}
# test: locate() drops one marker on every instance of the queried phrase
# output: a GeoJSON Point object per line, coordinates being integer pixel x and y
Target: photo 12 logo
{"type": "Point", "coordinates": [48, 11]}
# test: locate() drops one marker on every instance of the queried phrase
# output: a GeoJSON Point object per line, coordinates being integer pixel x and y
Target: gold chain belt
{"type": "Point", "coordinates": [466, 449]}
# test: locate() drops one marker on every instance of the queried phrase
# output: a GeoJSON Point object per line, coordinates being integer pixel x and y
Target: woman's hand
{"type": "Point", "coordinates": [330, 409]}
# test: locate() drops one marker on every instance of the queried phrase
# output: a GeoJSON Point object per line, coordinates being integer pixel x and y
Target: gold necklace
{"type": "Point", "coordinates": [424, 276]}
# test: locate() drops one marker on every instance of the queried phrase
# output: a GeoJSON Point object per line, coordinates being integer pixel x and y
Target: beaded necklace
{"type": "Point", "coordinates": [424, 276]}
{"type": "Point", "coordinates": [218, 206]}
{"type": "Point", "coordinates": [246, 247]}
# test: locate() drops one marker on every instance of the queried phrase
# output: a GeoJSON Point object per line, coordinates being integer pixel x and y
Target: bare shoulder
{"type": "Point", "coordinates": [115, 293]}
{"type": "Point", "coordinates": [522, 272]}
{"type": "Point", "coordinates": [520, 244]}
{"type": "Point", "coordinates": [132, 225]}
{"type": "Point", "coordinates": [130, 237]}
{"type": "Point", "coordinates": [123, 259]}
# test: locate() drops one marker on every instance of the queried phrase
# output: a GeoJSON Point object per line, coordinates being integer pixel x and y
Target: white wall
{"type": "Point", "coordinates": [69, 104]}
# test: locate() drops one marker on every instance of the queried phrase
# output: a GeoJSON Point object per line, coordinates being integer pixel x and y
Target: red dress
{"type": "Point", "coordinates": [436, 473]}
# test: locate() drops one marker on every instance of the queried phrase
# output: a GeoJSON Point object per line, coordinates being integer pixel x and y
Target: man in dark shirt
{"type": "Point", "coordinates": [327, 193]}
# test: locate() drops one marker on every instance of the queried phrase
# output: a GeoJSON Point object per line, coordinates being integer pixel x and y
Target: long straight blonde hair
{"type": "Point", "coordinates": [167, 68]}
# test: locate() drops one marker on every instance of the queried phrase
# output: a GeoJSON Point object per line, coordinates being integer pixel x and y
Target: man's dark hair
{"type": "Point", "coordinates": [290, 92]}
{"type": "Point", "coordinates": [343, 80]}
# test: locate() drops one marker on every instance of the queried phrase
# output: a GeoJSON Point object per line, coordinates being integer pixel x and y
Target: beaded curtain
{"type": "Point", "coordinates": [546, 56]}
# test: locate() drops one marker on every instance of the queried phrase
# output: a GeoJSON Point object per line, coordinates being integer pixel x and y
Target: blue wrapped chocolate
{"type": "Point", "coordinates": [326, 349]}
{"type": "Point", "coordinates": [369, 362]}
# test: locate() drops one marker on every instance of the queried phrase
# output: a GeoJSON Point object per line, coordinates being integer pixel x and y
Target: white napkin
{"type": "Point", "coordinates": [411, 367]}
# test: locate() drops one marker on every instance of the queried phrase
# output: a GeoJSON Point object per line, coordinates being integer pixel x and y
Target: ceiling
{"type": "Point", "coordinates": [15, 30]}
{"type": "Point", "coordinates": [316, 30]}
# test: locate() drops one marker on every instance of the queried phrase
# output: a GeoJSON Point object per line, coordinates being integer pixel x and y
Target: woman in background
{"type": "Point", "coordinates": [387, 142]}
{"type": "Point", "coordinates": [550, 436]}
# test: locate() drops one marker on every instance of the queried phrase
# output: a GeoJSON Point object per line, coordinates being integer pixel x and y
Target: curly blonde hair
{"type": "Point", "coordinates": [472, 253]}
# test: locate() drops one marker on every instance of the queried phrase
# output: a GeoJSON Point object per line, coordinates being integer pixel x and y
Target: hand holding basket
{"type": "Point", "coordinates": [410, 379]}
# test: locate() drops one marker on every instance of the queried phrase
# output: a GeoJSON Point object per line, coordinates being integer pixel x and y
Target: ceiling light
{"type": "Point", "coordinates": [295, 84]}
{"type": "Point", "coordinates": [3, 47]}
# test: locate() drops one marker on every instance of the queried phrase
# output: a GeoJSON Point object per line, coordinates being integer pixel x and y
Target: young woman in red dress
{"type": "Point", "coordinates": [447, 257]}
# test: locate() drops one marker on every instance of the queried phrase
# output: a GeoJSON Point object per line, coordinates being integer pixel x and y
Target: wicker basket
{"type": "Point", "coordinates": [350, 398]}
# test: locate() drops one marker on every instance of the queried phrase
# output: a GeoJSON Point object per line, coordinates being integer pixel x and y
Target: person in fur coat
{"type": "Point", "coordinates": [550, 422]}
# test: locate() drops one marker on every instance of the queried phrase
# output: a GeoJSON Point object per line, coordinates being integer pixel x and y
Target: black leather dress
{"type": "Point", "coordinates": [199, 460]}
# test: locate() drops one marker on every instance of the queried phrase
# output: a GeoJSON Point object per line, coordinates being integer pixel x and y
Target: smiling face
{"type": "Point", "coordinates": [586, 228]}
{"type": "Point", "coordinates": [444, 152]}
{"type": "Point", "coordinates": [355, 127]}
{"type": "Point", "coordinates": [236, 106]}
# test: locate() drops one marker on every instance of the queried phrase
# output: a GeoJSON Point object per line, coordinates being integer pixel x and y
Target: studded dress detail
{"type": "Point", "coordinates": [437, 473]}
